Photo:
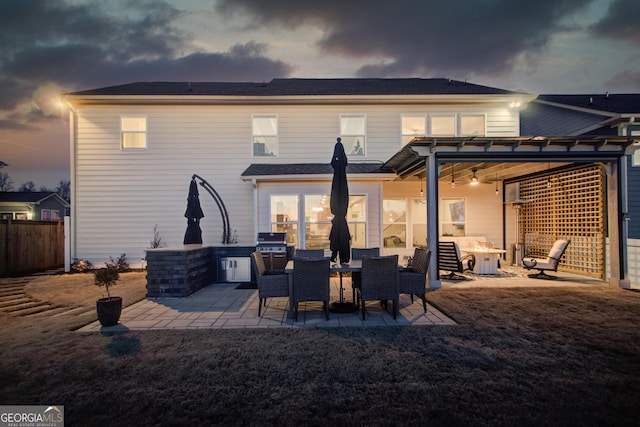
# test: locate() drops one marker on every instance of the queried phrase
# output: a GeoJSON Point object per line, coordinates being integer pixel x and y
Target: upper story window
{"type": "Point", "coordinates": [443, 125]}
{"type": "Point", "coordinates": [352, 132]}
{"type": "Point", "coordinates": [413, 126]}
{"type": "Point", "coordinates": [134, 132]}
{"type": "Point", "coordinates": [265, 136]}
{"type": "Point", "coordinates": [472, 125]}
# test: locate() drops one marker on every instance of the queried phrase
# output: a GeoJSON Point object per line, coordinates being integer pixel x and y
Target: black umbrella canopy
{"type": "Point", "coordinates": [193, 214]}
{"type": "Point", "coordinates": [340, 237]}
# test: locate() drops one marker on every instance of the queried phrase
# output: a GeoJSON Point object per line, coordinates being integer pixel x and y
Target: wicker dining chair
{"type": "Point", "coordinates": [311, 282]}
{"type": "Point", "coordinates": [359, 253]}
{"type": "Point", "coordinates": [269, 285]}
{"type": "Point", "coordinates": [309, 253]}
{"type": "Point", "coordinates": [413, 280]}
{"type": "Point", "coordinates": [379, 281]}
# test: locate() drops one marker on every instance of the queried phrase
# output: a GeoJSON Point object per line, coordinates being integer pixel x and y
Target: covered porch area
{"type": "Point", "coordinates": [508, 162]}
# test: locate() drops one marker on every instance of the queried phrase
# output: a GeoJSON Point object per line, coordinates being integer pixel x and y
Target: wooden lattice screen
{"type": "Point", "coordinates": [566, 205]}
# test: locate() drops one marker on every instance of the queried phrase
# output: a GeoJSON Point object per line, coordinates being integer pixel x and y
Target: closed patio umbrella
{"type": "Point", "coordinates": [339, 237]}
{"type": "Point", "coordinates": [193, 214]}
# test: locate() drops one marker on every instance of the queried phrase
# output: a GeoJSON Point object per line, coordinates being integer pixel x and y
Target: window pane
{"type": "Point", "coordinates": [443, 125]}
{"type": "Point", "coordinates": [290, 229]}
{"type": "Point", "coordinates": [284, 208]}
{"type": "Point", "coordinates": [317, 235]}
{"type": "Point", "coordinates": [419, 222]}
{"type": "Point", "coordinates": [357, 209]}
{"type": "Point", "coordinates": [413, 125]}
{"type": "Point", "coordinates": [395, 228]}
{"type": "Point", "coordinates": [265, 146]}
{"type": "Point", "coordinates": [353, 145]}
{"type": "Point", "coordinates": [472, 125]}
{"type": "Point", "coordinates": [265, 125]}
{"type": "Point", "coordinates": [352, 125]}
{"type": "Point", "coordinates": [134, 140]}
{"type": "Point", "coordinates": [138, 124]}
{"type": "Point", "coordinates": [358, 235]}
{"type": "Point", "coordinates": [317, 208]}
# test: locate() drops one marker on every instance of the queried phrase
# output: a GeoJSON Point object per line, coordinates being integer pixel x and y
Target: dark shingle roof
{"type": "Point", "coordinates": [25, 196]}
{"type": "Point", "coordinates": [616, 103]}
{"type": "Point", "coordinates": [265, 169]}
{"type": "Point", "coordinates": [301, 87]}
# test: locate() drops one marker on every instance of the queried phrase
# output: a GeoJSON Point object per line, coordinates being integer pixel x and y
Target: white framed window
{"type": "Point", "coordinates": [353, 134]}
{"type": "Point", "coordinates": [315, 222]}
{"type": "Point", "coordinates": [284, 216]}
{"type": "Point", "coordinates": [394, 231]}
{"type": "Point", "coordinates": [413, 126]}
{"type": "Point", "coordinates": [473, 125]}
{"type": "Point", "coordinates": [55, 214]}
{"type": "Point", "coordinates": [265, 135]}
{"type": "Point", "coordinates": [452, 217]}
{"type": "Point", "coordinates": [45, 214]}
{"type": "Point", "coordinates": [443, 125]}
{"type": "Point", "coordinates": [133, 132]}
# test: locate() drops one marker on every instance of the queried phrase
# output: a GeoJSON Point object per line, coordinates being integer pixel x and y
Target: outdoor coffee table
{"type": "Point", "coordinates": [486, 259]}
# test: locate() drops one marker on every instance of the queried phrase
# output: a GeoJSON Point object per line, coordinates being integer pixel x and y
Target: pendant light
{"type": "Point", "coordinates": [497, 192]}
{"type": "Point", "coordinates": [453, 179]}
{"type": "Point", "coordinates": [421, 191]}
{"type": "Point", "coordinates": [474, 178]}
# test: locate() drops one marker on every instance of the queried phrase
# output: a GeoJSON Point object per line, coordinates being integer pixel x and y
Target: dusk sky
{"type": "Point", "coordinates": [50, 47]}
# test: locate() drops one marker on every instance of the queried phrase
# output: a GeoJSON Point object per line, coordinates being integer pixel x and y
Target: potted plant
{"type": "Point", "coordinates": [109, 308]}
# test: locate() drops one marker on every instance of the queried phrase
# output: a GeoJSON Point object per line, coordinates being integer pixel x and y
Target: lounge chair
{"type": "Point", "coordinates": [550, 263]}
{"type": "Point", "coordinates": [449, 259]}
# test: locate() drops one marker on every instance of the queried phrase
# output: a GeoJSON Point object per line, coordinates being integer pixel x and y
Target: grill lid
{"type": "Point", "coordinates": [272, 238]}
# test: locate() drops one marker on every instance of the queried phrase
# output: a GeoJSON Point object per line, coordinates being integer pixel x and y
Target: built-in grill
{"type": "Point", "coordinates": [273, 246]}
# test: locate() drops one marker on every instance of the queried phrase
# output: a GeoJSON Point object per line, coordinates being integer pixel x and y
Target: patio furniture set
{"type": "Point", "coordinates": [374, 278]}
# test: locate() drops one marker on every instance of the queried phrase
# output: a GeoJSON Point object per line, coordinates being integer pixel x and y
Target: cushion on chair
{"type": "Point", "coordinates": [557, 249]}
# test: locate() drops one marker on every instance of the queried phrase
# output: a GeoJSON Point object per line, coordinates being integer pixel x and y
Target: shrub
{"type": "Point", "coordinates": [81, 266]}
{"type": "Point", "coordinates": [107, 276]}
{"type": "Point", "coordinates": [120, 264]}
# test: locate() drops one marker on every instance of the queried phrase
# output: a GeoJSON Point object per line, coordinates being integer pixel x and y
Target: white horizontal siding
{"type": "Point", "coordinates": [121, 194]}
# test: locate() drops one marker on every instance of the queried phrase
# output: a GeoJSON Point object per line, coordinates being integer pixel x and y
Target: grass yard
{"type": "Point", "coordinates": [530, 356]}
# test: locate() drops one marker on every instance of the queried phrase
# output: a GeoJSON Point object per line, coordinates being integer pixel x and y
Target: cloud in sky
{"type": "Point", "coordinates": [66, 45]}
{"type": "Point", "coordinates": [418, 37]}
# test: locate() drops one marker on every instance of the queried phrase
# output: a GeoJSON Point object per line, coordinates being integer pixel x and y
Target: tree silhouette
{"type": "Point", "coordinates": [27, 187]}
{"type": "Point", "coordinates": [6, 183]}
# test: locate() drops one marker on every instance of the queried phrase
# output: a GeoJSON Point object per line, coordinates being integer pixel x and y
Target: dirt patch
{"type": "Point", "coordinates": [78, 289]}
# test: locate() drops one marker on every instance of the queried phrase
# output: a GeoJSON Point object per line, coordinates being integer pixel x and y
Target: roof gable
{"type": "Point", "coordinates": [30, 197]}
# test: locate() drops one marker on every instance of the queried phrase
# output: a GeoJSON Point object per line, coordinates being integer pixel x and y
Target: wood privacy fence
{"type": "Point", "coordinates": [29, 246]}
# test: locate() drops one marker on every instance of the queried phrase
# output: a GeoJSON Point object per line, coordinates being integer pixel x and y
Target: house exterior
{"type": "Point", "coordinates": [266, 149]}
{"type": "Point", "coordinates": [597, 114]}
{"type": "Point", "coordinates": [34, 205]}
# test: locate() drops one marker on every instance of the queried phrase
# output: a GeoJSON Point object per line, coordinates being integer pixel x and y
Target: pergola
{"type": "Point", "coordinates": [513, 156]}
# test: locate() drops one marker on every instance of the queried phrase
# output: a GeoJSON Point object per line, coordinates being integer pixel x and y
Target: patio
{"type": "Point", "coordinates": [223, 306]}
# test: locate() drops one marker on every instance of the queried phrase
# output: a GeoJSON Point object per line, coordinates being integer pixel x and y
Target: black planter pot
{"type": "Point", "coordinates": [109, 310]}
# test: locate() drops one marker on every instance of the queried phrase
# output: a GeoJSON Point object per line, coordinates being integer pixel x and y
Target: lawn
{"type": "Point", "coordinates": [530, 356]}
